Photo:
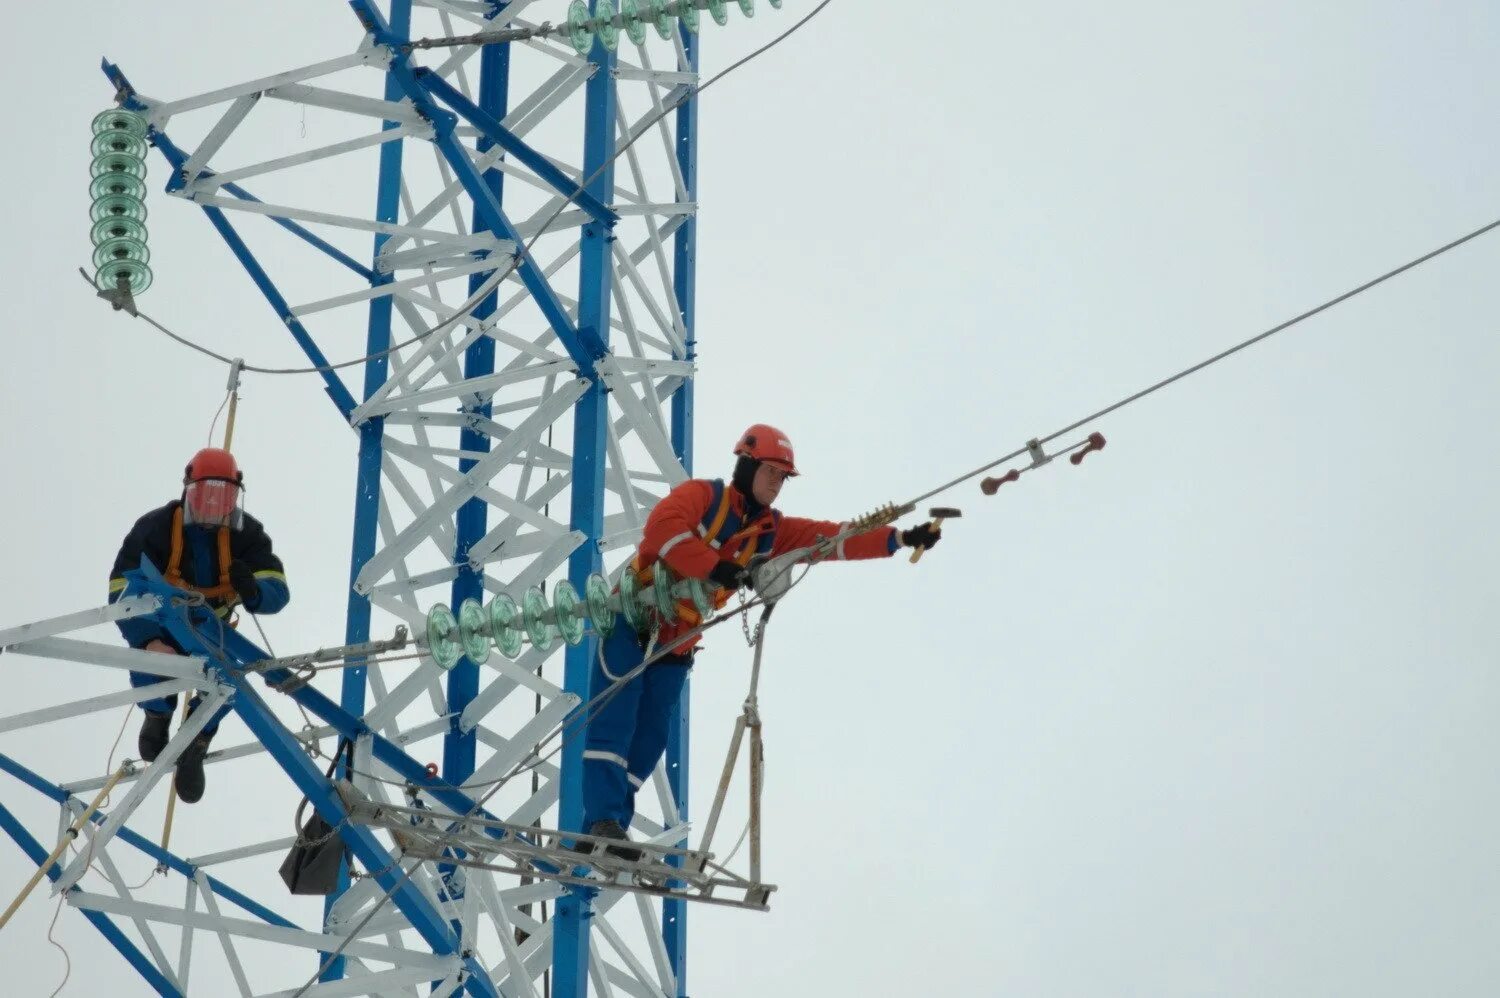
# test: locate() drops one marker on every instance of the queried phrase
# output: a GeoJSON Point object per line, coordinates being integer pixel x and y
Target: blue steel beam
{"type": "Point", "coordinates": [316, 242]}
{"type": "Point", "coordinates": [38, 855]}
{"type": "Point", "coordinates": [497, 134]}
{"type": "Point", "coordinates": [227, 658]}
{"type": "Point", "coordinates": [570, 947]}
{"type": "Point", "coordinates": [335, 387]}
{"type": "Point", "coordinates": [405, 894]}
{"type": "Point", "coordinates": [371, 443]}
{"type": "Point", "coordinates": [170, 860]}
{"type": "Point", "coordinates": [583, 342]}
{"type": "Point", "coordinates": [684, 284]}
{"type": "Point", "coordinates": [460, 747]}
{"type": "Point", "coordinates": [122, 86]}
{"type": "Point", "coordinates": [234, 650]}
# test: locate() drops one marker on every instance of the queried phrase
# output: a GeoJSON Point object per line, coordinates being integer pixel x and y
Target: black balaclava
{"type": "Point", "coordinates": [744, 478]}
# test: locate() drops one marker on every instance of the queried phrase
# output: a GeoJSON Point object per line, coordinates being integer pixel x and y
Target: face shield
{"type": "Point", "coordinates": [213, 502]}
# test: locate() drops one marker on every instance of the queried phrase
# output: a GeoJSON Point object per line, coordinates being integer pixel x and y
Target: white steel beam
{"type": "Point", "coordinates": [445, 505]}
{"type": "Point", "coordinates": [481, 241]}
{"type": "Point", "coordinates": [647, 420]}
{"type": "Point", "coordinates": [216, 138]}
{"type": "Point", "coordinates": [243, 852]}
{"type": "Point", "coordinates": [374, 56]}
{"type": "Point", "coordinates": [598, 975]}
{"type": "Point", "coordinates": [671, 325]}
{"type": "Point", "coordinates": [385, 983]}
{"type": "Point", "coordinates": [82, 708]}
{"type": "Point", "coordinates": [525, 737]}
{"type": "Point", "coordinates": [215, 757]}
{"type": "Point", "coordinates": [526, 510]}
{"type": "Point", "coordinates": [514, 962]}
{"type": "Point", "coordinates": [185, 950]}
{"type": "Point", "coordinates": [112, 874]}
{"type": "Point", "coordinates": [471, 266]}
{"type": "Point", "coordinates": [152, 663]}
{"type": "Point", "coordinates": [405, 693]}
{"type": "Point", "coordinates": [400, 112]}
{"type": "Point", "coordinates": [651, 926]}
{"type": "Point", "coordinates": [164, 763]}
{"type": "Point", "coordinates": [486, 385]}
{"type": "Point", "coordinates": [264, 931]}
{"type": "Point", "coordinates": [213, 919]}
{"type": "Point", "coordinates": [123, 609]}
{"type": "Point", "coordinates": [209, 184]}
{"type": "Point", "coordinates": [522, 672]}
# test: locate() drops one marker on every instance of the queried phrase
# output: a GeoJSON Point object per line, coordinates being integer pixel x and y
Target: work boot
{"type": "Point", "coordinates": [190, 780]}
{"type": "Point", "coordinates": [154, 735]}
{"type": "Point", "coordinates": [610, 829]}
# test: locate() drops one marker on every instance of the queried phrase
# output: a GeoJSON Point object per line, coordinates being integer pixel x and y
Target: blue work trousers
{"type": "Point", "coordinates": [628, 733]}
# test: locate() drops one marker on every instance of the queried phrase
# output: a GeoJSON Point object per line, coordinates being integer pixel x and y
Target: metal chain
{"type": "Point", "coordinates": [750, 638]}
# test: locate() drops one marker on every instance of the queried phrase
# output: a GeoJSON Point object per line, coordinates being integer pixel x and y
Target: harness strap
{"type": "Point", "coordinates": [224, 591]}
{"type": "Point", "coordinates": [712, 528]}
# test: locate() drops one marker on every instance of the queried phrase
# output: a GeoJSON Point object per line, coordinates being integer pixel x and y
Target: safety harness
{"type": "Point", "coordinates": [223, 592]}
{"type": "Point", "coordinates": [723, 530]}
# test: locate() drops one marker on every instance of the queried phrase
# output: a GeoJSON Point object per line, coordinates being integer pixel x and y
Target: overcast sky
{"type": "Point", "coordinates": [1212, 714]}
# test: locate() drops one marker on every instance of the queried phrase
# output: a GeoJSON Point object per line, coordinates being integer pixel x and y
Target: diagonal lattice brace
{"type": "Point", "coordinates": [583, 344]}
{"type": "Point", "coordinates": [106, 926]}
{"type": "Point", "coordinates": [337, 390]}
{"type": "Point", "coordinates": [503, 137]}
{"type": "Point", "coordinates": [167, 859]}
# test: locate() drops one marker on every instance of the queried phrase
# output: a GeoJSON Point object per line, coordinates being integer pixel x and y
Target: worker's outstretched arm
{"type": "Point", "coordinates": [798, 532]}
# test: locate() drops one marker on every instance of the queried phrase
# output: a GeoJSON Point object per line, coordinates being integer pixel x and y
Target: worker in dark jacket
{"type": "Point", "coordinates": [708, 530]}
{"type": "Point", "coordinates": [204, 543]}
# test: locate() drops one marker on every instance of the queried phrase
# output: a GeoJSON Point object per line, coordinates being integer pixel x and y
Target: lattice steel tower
{"type": "Point", "coordinates": [526, 320]}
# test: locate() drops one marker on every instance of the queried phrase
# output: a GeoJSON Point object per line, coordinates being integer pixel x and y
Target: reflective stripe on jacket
{"type": "Point", "coordinates": [197, 559]}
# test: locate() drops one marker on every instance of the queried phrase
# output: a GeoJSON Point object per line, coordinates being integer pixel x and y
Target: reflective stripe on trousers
{"type": "Point", "coordinates": [627, 734]}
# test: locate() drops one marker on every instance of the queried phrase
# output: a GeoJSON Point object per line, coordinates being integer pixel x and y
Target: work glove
{"type": "Point", "coordinates": [921, 536]}
{"type": "Point", "coordinates": [242, 577]}
{"type": "Point", "coordinates": [728, 575]}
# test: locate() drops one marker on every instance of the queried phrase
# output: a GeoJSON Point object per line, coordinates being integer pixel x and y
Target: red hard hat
{"type": "Point", "coordinates": [768, 445]}
{"type": "Point", "coordinates": [212, 485]}
{"type": "Point", "coordinates": [213, 463]}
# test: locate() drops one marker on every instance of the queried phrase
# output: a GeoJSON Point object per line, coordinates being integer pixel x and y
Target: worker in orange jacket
{"type": "Point", "coordinates": [706, 530]}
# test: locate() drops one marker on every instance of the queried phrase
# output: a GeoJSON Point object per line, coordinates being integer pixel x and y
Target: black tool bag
{"type": "Point", "coordinates": [312, 867]}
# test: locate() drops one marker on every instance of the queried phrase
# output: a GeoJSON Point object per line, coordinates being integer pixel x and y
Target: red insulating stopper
{"type": "Point", "coordinates": [990, 485]}
{"type": "Point", "coordinates": [1096, 442]}
{"type": "Point", "coordinates": [432, 770]}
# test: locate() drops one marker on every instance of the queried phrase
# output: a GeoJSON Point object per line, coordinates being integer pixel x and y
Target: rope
{"type": "Point", "coordinates": [215, 422]}
{"type": "Point", "coordinates": [67, 960]}
{"type": "Point", "coordinates": [166, 827]}
{"type": "Point", "coordinates": [109, 762]}
{"type": "Point", "coordinates": [737, 843]}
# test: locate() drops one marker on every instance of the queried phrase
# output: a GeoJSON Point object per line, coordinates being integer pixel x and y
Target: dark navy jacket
{"type": "Point", "coordinates": [198, 565]}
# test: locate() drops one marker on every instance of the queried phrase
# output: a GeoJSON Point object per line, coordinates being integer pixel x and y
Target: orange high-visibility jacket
{"type": "Point", "coordinates": [701, 523]}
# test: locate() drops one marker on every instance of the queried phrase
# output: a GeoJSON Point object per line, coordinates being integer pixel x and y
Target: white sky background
{"type": "Point", "coordinates": [1211, 715]}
